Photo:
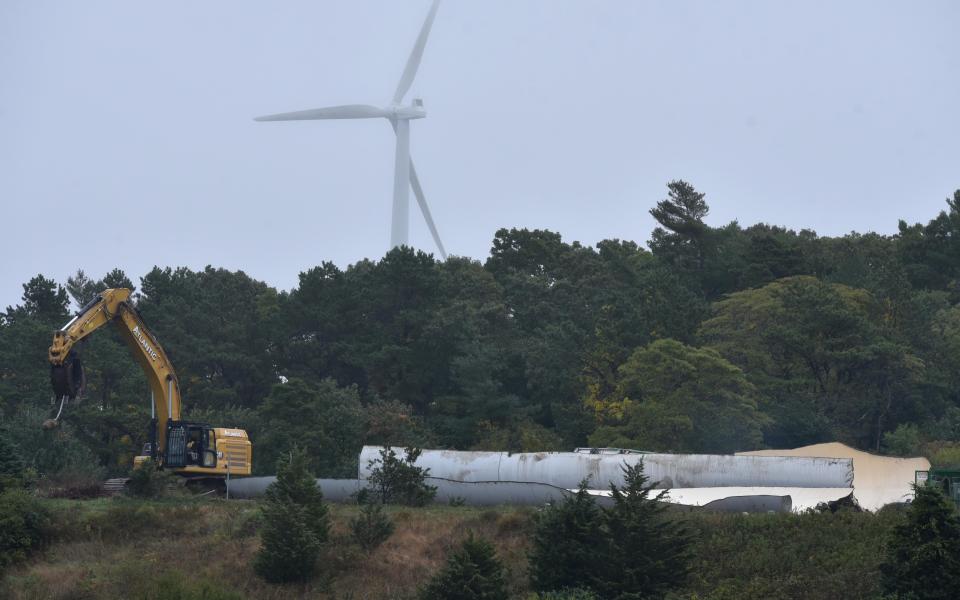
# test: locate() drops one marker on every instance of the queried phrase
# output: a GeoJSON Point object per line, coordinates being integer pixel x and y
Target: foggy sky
{"type": "Point", "coordinates": [127, 140]}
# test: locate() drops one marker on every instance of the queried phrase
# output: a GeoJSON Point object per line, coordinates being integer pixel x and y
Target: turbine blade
{"type": "Point", "coordinates": [349, 111]}
{"type": "Point", "coordinates": [413, 63]}
{"type": "Point", "coordinates": [422, 201]}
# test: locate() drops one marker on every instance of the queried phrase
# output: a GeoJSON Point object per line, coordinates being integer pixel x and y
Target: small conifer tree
{"type": "Point", "coordinates": [923, 553]}
{"type": "Point", "coordinates": [473, 572]}
{"type": "Point", "coordinates": [296, 484]}
{"type": "Point", "coordinates": [630, 550]}
{"type": "Point", "coordinates": [372, 526]}
{"type": "Point", "coordinates": [568, 543]}
{"type": "Point", "coordinates": [648, 552]}
{"type": "Point", "coordinates": [295, 523]}
{"type": "Point", "coordinates": [289, 548]}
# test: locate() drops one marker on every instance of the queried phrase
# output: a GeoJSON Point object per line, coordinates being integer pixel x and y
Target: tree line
{"type": "Point", "coordinates": [715, 339]}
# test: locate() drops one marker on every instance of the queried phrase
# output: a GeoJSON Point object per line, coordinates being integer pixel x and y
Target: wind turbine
{"type": "Point", "coordinates": [404, 175]}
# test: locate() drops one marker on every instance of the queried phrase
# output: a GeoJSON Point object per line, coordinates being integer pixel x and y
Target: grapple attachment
{"type": "Point", "coordinates": [68, 379]}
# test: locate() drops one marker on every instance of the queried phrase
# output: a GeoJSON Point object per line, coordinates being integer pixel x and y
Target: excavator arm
{"type": "Point", "coordinates": [113, 306]}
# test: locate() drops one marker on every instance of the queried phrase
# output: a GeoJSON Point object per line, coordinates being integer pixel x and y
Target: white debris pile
{"type": "Point", "coordinates": [877, 480]}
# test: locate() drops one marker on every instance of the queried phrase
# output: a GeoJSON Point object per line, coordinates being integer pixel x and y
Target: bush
{"type": "Point", "coordinates": [12, 468]}
{"type": "Point", "coordinates": [147, 481]}
{"type": "Point", "coordinates": [473, 572]}
{"type": "Point", "coordinates": [74, 482]}
{"type": "Point", "coordinates": [295, 523]}
{"type": "Point", "coordinates": [371, 527]}
{"type": "Point", "coordinates": [810, 556]}
{"type": "Point", "coordinates": [904, 441]}
{"type": "Point", "coordinates": [46, 451]}
{"type": "Point", "coordinates": [923, 554]}
{"type": "Point", "coordinates": [945, 456]}
{"type": "Point", "coordinates": [399, 481]}
{"type": "Point", "coordinates": [24, 526]}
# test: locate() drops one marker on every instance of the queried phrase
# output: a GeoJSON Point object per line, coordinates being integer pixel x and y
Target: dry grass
{"type": "Point", "coordinates": [124, 549]}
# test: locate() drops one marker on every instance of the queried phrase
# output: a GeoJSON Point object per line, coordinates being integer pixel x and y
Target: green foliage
{"type": "Point", "coordinates": [682, 237]}
{"type": "Point", "coordinates": [649, 553]}
{"type": "Point", "coordinates": [946, 456]}
{"type": "Point", "coordinates": [923, 554]}
{"type": "Point", "coordinates": [931, 253]}
{"type": "Point", "coordinates": [295, 523]}
{"type": "Point", "coordinates": [48, 452]}
{"type": "Point", "coordinates": [568, 545]}
{"type": "Point", "coordinates": [326, 419]}
{"type": "Point", "coordinates": [148, 481]}
{"type": "Point", "coordinates": [631, 550]}
{"type": "Point", "coordinates": [12, 468]}
{"type": "Point", "coordinates": [24, 526]}
{"type": "Point", "coordinates": [822, 358]}
{"type": "Point", "coordinates": [675, 397]}
{"type": "Point", "coordinates": [472, 572]}
{"type": "Point", "coordinates": [396, 480]}
{"type": "Point", "coordinates": [811, 556]}
{"type": "Point", "coordinates": [905, 440]}
{"type": "Point", "coordinates": [548, 344]}
{"type": "Point", "coordinates": [218, 326]}
{"type": "Point", "coordinates": [371, 527]}
{"type": "Point", "coordinates": [289, 550]}
{"type": "Point", "coordinates": [75, 481]}
{"type": "Point", "coordinates": [296, 485]}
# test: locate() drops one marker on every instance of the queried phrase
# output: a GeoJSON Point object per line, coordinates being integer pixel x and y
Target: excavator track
{"type": "Point", "coordinates": [200, 486]}
{"type": "Point", "coordinates": [112, 487]}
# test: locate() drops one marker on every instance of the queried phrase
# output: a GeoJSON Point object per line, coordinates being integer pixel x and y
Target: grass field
{"type": "Point", "coordinates": [189, 548]}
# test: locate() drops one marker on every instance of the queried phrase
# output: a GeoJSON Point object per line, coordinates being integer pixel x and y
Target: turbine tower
{"type": "Point", "coordinates": [404, 175]}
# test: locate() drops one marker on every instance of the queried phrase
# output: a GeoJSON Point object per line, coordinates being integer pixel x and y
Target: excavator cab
{"type": "Point", "coordinates": [191, 445]}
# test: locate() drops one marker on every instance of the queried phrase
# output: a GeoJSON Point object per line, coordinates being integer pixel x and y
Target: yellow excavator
{"type": "Point", "coordinates": [193, 450]}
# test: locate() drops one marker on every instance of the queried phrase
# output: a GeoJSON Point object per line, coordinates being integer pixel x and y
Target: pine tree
{"type": "Point", "coordinates": [290, 548]}
{"type": "Point", "coordinates": [648, 552]}
{"type": "Point", "coordinates": [473, 572]}
{"type": "Point", "coordinates": [568, 543]}
{"type": "Point", "coordinates": [923, 553]}
{"type": "Point", "coordinates": [295, 484]}
{"type": "Point", "coordinates": [295, 523]}
{"type": "Point", "coordinates": [682, 237]}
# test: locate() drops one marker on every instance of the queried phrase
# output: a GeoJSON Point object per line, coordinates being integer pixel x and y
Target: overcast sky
{"type": "Point", "coordinates": [127, 140]}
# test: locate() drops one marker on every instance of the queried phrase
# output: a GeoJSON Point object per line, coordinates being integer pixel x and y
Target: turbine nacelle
{"type": "Point", "coordinates": [413, 111]}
